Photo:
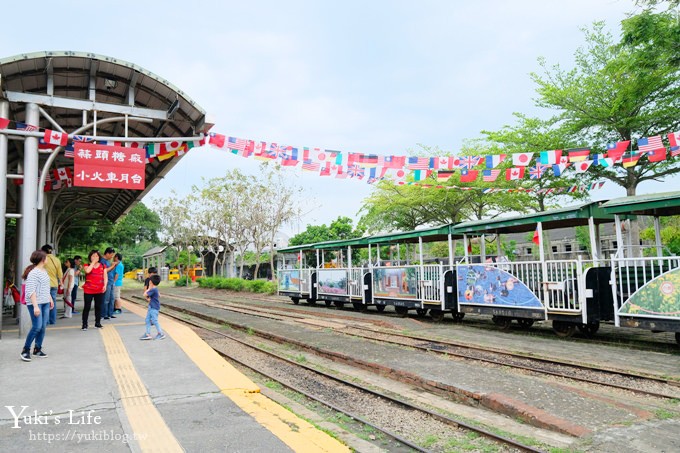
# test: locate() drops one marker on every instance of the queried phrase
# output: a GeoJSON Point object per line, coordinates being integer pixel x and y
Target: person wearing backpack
{"type": "Point", "coordinates": [36, 295]}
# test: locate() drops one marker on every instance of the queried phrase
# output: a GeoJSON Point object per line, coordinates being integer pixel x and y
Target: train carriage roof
{"type": "Point", "coordinates": [433, 234]}
{"type": "Point", "coordinates": [657, 204]}
{"type": "Point", "coordinates": [558, 218]}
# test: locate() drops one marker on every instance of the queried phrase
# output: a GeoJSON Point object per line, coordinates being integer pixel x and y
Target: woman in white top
{"type": "Point", "coordinates": [38, 302]}
{"type": "Point", "coordinates": [67, 282]}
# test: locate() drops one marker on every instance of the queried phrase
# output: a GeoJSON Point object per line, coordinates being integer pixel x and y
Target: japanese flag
{"type": "Point", "coordinates": [521, 159]}
{"type": "Point", "coordinates": [583, 166]}
{"type": "Point", "coordinates": [172, 146]}
{"type": "Point", "coordinates": [55, 138]}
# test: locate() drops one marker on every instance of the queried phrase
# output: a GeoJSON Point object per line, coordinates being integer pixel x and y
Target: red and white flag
{"type": "Point", "coordinates": [4, 122]}
{"type": "Point", "coordinates": [447, 162]}
{"type": "Point", "coordinates": [583, 166]}
{"type": "Point", "coordinates": [673, 139]}
{"type": "Point", "coordinates": [55, 137]}
{"type": "Point", "coordinates": [514, 173]}
{"type": "Point", "coordinates": [521, 159]}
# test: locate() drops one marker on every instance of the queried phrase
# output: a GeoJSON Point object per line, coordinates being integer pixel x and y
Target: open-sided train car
{"type": "Point", "coordinates": [340, 280]}
{"type": "Point", "coordinates": [296, 278]}
{"type": "Point", "coordinates": [645, 286]}
{"type": "Point", "coordinates": [572, 293]}
{"type": "Point", "coordinates": [410, 283]}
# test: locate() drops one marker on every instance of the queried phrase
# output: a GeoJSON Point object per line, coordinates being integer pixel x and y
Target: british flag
{"type": "Point", "coordinates": [537, 171]}
{"type": "Point", "coordinates": [469, 162]}
{"type": "Point", "coordinates": [356, 171]}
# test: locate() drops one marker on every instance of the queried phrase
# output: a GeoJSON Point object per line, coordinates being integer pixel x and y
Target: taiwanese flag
{"type": "Point", "coordinates": [4, 122]}
{"type": "Point", "coordinates": [578, 154]}
{"type": "Point", "coordinates": [217, 140]}
{"type": "Point", "coordinates": [468, 175]}
{"type": "Point", "coordinates": [444, 175]}
{"type": "Point", "coordinates": [55, 138]}
{"type": "Point", "coordinates": [514, 173]}
{"type": "Point", "coordinates": [615, 150]}
{"type": "Point", "coordinates": [657, 155]}
{"type": "Point", "coordinates": [391, 161]}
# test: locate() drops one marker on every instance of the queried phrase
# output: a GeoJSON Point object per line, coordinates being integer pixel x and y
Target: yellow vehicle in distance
{"type": "Point", "coordinates": [132, 274]}
{"type": "Point", "coordinates": [173, 274]}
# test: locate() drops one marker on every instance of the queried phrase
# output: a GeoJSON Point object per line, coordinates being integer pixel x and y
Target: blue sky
{"type": "Point", "coordinates": [360, 76]}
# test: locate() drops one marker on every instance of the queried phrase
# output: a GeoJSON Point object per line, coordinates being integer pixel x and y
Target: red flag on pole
{"type": "Point", "coordinates": [536, 239]}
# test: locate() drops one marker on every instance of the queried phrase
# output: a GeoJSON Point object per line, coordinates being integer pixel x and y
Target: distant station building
{"type": "Point", "coordinates": [90, 97]}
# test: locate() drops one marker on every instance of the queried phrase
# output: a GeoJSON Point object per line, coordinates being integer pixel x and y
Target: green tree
{"type": "Point", "coordinates": [138, 225]}
{"type": "Point", "coordinates": [619, 91]}
{"type": "Point", "coordinates": [339, 229]}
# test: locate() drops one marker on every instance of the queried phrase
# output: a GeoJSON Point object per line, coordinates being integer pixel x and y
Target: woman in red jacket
{"type": "Point", "coordinates": [94, 288]}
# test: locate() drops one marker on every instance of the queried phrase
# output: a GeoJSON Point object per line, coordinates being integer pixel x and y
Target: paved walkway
{"type": "Point", "coordinates": [105, 390]}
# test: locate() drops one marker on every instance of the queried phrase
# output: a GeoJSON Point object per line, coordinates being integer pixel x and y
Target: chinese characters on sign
{"type": "Point", "coordinates": [109, 167]}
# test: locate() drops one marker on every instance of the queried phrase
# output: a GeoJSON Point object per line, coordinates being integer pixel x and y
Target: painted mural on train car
{"type": "Point", "coordinates": [290, 281]}
{"type": "Point", "coordinates": [395, 282]}
{"type": "Point", "coordinates": [332, 281]}
{"type": "Point", "coordinates": [659, 297]}
{"type": "Point", "coordinates": [489, 285]}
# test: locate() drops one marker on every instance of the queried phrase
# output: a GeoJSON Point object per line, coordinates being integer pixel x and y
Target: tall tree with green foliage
{"type": "Point", "coordinates": [339, 229]}
{"type": "Point", "coordinates": [140, 224]}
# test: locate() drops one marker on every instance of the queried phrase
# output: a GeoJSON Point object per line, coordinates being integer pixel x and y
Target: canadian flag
{"type": "Point", "coordinates": [514, 173]}
{"type": "Point", "coordinates": [449, 162]}
{"type": "Point", "coordinates": [521, 159]}
{"type": "Point", "coordinates": [55, 137]}
{"type": "Point", "coordinates": [583, 166]}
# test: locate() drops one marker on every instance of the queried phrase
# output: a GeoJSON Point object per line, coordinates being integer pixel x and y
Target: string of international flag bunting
{"type": "Point", "coordinates": [402, 170]}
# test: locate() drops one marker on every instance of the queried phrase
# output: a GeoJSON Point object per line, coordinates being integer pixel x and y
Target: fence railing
{"type": "Point", "coordinates": [355, 282]}
{"type": "Point", "coordinates": [631, 274]}
{"type": "Point", "coordinates": [430, 283]}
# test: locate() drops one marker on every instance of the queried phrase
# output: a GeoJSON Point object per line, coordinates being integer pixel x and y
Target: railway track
{"type": "Point", "coordinates": [628, 339]}
{"type": "Point", "coordinates": [337, 385]}
{"type": "Point", "coordinates": [620, 379]}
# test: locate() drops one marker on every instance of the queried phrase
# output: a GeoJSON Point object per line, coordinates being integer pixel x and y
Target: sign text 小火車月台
{"type": "Point", "coordinates": [109, 167]}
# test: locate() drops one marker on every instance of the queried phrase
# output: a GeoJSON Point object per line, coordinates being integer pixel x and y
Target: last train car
{"type": "Point", "coordinates": [296, 274]}
{"type": "Point", "coordinates": [572, 293]}
{"type": "Point", "coordinates": [645, 281]}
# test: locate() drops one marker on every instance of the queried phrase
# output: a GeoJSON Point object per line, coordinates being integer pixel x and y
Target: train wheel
{"type": "Point", "coordinates": [329, 303]}
{"type": "Point", "coordinates": [564, 329]}
{"type": "Point", "coordinates": [380, 308]}
{"type": "Point", "coordinates": [421, 312]}
{"type": "Point", "coordinates": [589, 329]}
{"type": "Point", "coordinates": [296, 300]}
{"type": "Point", "coordinates": [339, 304]}
{"type": "Point", "coordinates": [401, 310]}
{"type": "Point", "coordinates": [458, 316]}
{"type": "Point", "coordinates": [525, 323]}
{"type": "Point", "coordinates": [437, 315]}
{"type": "Point", "coordinates": [358, 306]}
{"type": "Point", "coordinates": [311, 301]}
{"type": "Point", "coordinates": [502, 321]}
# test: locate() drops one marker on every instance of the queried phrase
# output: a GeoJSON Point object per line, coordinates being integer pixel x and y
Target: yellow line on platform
{"type": "Point", "coordinates": [147, 423]}
{"type": "Point", "coordinates": [295, 432]}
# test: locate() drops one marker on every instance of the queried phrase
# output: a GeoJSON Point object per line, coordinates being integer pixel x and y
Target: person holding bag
{"type": "Point", "coordinates": [94, 288]}
{"type": "Point", "coordinates": [36, 295]}
{"type": "Point", "coordinates": [67, 284]}
{"type": "Point", "coordinates": [53, 268]}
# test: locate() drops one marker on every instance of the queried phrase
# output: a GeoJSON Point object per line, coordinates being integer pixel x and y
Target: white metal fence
{"type": "Point", "coordinates": [430, 283]}
{"type": "Point", "coordinates": [355, 282]}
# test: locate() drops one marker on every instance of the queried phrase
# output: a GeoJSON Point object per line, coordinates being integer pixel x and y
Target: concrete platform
{"type": "Point", "coordinates": [105, 390]}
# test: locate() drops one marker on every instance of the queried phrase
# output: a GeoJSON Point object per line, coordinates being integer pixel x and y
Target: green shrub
{"type": "Point", "coordinates": [236, 284]}
{"type": "Point", "coordinates": [182, 282]}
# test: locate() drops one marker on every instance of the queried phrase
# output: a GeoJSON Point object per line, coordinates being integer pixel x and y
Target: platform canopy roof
{"type": "Point", "coordinates": [656, 204]}
{"type": "Point", "coordinates": [69, 87]}
{"type": "Point", "coordinates": [431, 234]}
{"type": "Point", "coordinates": [557, 218]}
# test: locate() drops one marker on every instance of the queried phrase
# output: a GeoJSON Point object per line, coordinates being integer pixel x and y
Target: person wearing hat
{"type": "Point", "coordinates": [53, 268]}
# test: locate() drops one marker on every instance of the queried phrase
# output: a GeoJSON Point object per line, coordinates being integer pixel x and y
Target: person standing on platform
{"type": "Point", "coordinates": [77, 271]}
{"type": "Point", "coordinates": [153, 297]}
{"type": "Point", "coordinates": [94, 288]}
{"type": "Point", "coordinates": [119, 271]}
{"type": "Point", "coordinates": [152, 271]}
{"type": "Point", "coordinates": [53, 268]}
{"type": "Point", "coordinates": [38, 302]}
{"type": "Point", "coordinates": [67, 283]}
{"type": "Point", "coordinates": [107, 261]}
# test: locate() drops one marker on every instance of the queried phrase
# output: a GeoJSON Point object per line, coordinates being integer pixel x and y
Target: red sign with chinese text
{"type": "Point", "coordinates": [108, 167]}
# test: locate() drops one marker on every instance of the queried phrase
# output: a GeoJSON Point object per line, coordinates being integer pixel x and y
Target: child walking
{"type": "Point", "coordinates": [153, 297]}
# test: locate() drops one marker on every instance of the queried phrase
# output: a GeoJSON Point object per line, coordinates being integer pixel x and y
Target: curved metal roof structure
{"type": "Point", "coordinates": [74, 88]}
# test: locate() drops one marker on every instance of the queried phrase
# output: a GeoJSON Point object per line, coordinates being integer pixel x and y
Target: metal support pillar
{"type": "Point", "coordinates": [593, 241]}
{"type": "Point", "coordinates": [657, 239]}
{"type": "Point", "coordinates": [4, 113]}
{"type": "Point", "coordinates": [450, 251]}
{"type": "Point", "coordinates": [482, 249]}
{"type": "Point", "coordinates": [29, 203]}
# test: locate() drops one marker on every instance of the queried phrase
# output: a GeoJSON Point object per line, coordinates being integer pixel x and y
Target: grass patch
{"type": "Point", "coordinates": [663, 414]}
{"type": "Point", "coordinates": [238, 284]}
{"type": "Point", "coordinates": [300, 358]}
